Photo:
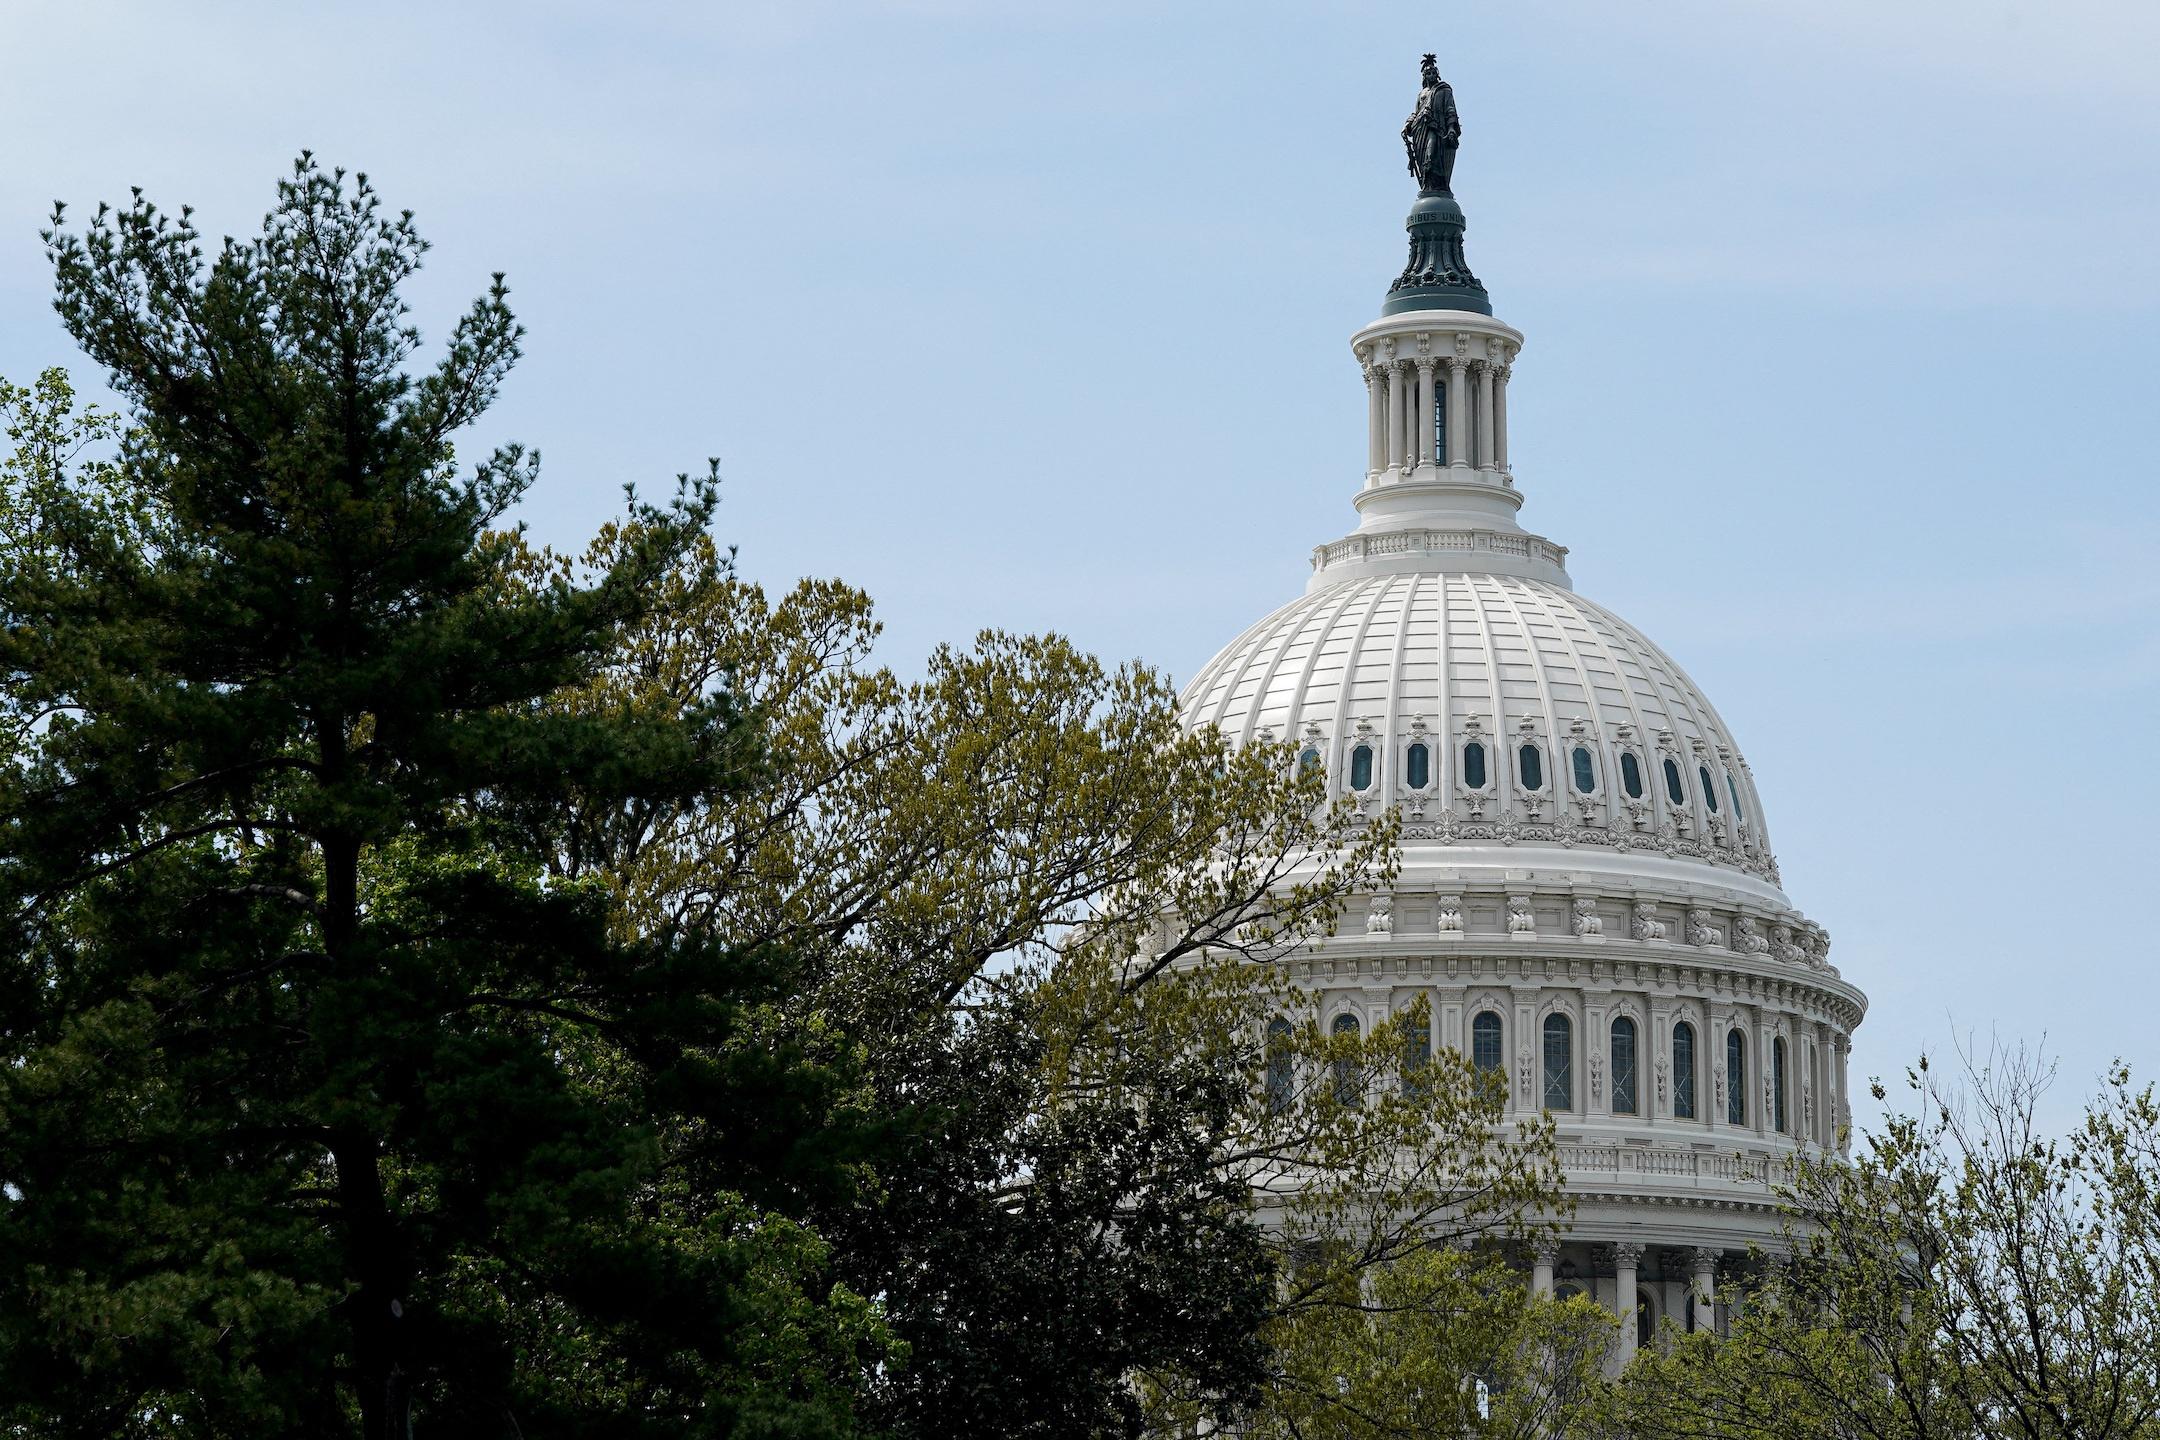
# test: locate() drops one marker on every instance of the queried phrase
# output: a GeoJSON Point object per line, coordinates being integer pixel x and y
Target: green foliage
{"type": "Point", "coordinates": [324, 1105]}
{"type": "Point", "coordinates": [1964, 1275]}
{"type": "Point", "coordinates": [1447, 1342]}
{"type": "Point", "coordinates": [1050, 927]}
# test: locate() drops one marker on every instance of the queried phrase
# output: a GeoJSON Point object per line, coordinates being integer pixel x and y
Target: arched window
{"type": "Point", "coordinates": [1530, 765]}
{"type": "Point", "coordinates": [1735, 1078]}
{"type": "Point", "coordinates": [1473, 765]}
{"type": "Point", "coordinates": [1585, 770]}
{"type": "Point", "coordinates": [1674, 790]}
{"type": "Point", "coordinates": [1623, 1066]}
{"type": "Point", "coordinates": [1777, 1085]}
{"type": "Point", "coordinates": [1709, 789]}
{"type": "Point", "coordinates": [1416, 1055]}
{"type": "Point", "coordinates": [1485, 1041]}
{"type": "Point", "coordinates": [1645, 1319]}
{"type": "Point", "coordinates": [1732, 788]}
{"type": "Point", "coordinates": [1559, 1063]}
{"type": "Point", "coordinates": [1631, 775]}
{"type": "Point", "coordinates": [1346, 1066]}
{"type": "Point", "coordinates": [1683, 1071]}
{"type": "Point", "coordinates": [1418, 765]}
{"type": "Point", "coordinates": [1361, 767]}
{"type": "Point", "coordinates": [1281, 1071]}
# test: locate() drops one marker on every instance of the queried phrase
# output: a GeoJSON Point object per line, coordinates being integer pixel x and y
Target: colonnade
{"type": "Point", "coordinates": [1699, 1264]}
{"type": "Point", "coordinates": [1401, 396]}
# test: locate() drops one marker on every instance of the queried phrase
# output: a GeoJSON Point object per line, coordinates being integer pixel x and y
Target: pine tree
{"type": "Point", "coordinates": [324, 1108]}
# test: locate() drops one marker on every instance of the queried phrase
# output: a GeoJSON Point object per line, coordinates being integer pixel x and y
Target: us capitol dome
{"type": "Point", "coordinates": [1588, 898]}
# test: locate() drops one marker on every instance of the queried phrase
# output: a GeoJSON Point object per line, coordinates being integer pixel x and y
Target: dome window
{"type": "Point", "coordinates": [1735, 1078]}
{"type": "Point", "coordinates": [1683, 1071]}
{"type": "Point", "coordinates": [1473, 766]}
{"type": "Point", "coordinates": [1559, 1063]}
{"type": "Point", "coordinates": [1777, 1085]}
{"type": "Point", "coordinates": [1709, 787]}
{"type": "Point", "coordinates": [1418, 766]}
{"type": "Point", "coordinates": [1585, 769]}
{"type": "Point", "coordinates": [1307, 762]}
{"type": "Point", "coordinates": [1281, 1068]}
{"type": "Point", "coordinates": [1623, 1066]}
{"type": "Point", "coordinates": [1631, 775]}
{"type": "Point", "coordinates": [1346, 1066]}
{"type": "Point", "coordinates": [1732, 788]}
{"type": "Point", "coordinates": [1416, 1056]}
{"type": "Point", "coordinates": [1361, 768]}
{"type": "Point", "coordinates": [1485, 1041]}
{"type": "Point", "coordinates": [1530, 765]}
{"type": "Point", "coordinates": [1675, 788]}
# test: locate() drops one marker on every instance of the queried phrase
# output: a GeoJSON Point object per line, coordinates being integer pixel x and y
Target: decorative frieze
{"type": "Point", "coordinates": [1466, 820]}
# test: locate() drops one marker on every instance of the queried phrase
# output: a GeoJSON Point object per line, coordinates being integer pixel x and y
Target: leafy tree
{"type": "Point", "coordinates": [1966, 1275]}
{"type": "Point", "coordinates": [1447, 1342]}
{"type": "Point", "coordinates": [1053, 929]}
{"type": "Point", "coordinates": [324, 1107]}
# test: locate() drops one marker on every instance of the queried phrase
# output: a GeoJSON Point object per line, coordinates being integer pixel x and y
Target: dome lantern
{"type": "Point", "coordinates": [1436, 366]}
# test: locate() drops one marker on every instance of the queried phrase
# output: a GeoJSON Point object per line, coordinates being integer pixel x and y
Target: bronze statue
{"type": "Point", "coordinates": [1432, 132]}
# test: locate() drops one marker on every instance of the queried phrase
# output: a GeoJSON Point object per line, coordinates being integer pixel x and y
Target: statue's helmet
{"type": "Point", "coordinates": [1430, 66]}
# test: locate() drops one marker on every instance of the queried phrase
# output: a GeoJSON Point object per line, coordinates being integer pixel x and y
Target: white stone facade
{"type": "Point", "coordinates": [1582, 839]}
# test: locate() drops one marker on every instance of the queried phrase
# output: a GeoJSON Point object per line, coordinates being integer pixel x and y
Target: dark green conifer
{"type": "Point", "coordinates": [323, 1108]}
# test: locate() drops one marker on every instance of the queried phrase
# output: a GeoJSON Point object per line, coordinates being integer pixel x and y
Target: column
{"type": "Point", "coordinates": [1544, 1255]}
{"type": "Point", "coordinates": [1375, 422]}
{"type": "Point", "coordinates": [1524, 1033]}
{"type": "Point", "coordinates": [1658, 1094]}
{"type": "Point", "coordinates": [1626, 1257]}
{"type": "Point", "coordinates": [1702, 1284]}
{"type": "Point", "coordinates": [1596, 1050]}
{"type": "Point", "coordinates": [1424, 412]}
{"type": "Point", "coordinates": [1818, 1086]}
{"type": "Point", "coordinates": [1409, 419]}
{"type": "Point", "coordinates": [1458, 413]}
{"type": "Point", "coordinates": [1395, 417]}
{"type": "Point", "coordinates": [1710, 1043]}
{"type": "Point", "coordinates": [1841, 1051]}
{"type": "Point", "coordinates": [1761, 1079]}
{"type": "Point", "coordinates": [1499, 411]}
{"type": "Point", "coordinates": [1485, 417]}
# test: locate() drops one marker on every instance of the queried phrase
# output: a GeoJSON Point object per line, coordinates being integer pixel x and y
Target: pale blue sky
{"type": "Point", "coordinates": [1839, 374]}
